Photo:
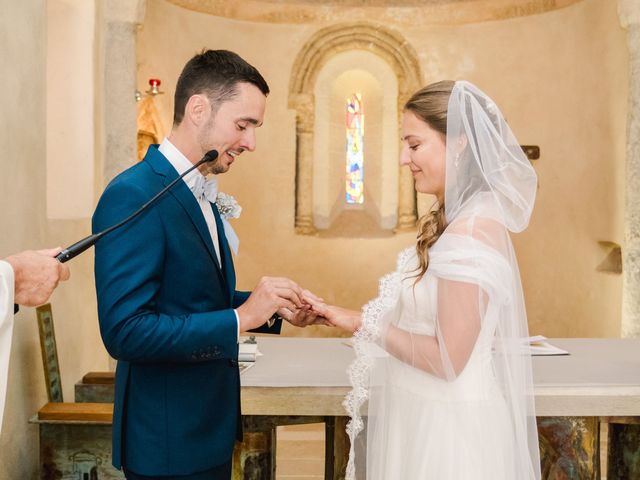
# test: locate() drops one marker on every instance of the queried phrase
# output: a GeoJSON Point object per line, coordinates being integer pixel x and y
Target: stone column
{"type": "Point", "coordinates": [629, 13]}
{"type": "Point", "coordinates": [407, 212]}
{"type": "Point", "coordinates": [119, 20]}
{"type": "Point", "coordinates": [407, 205]}
{"type": "Point", "coordinates": [303, 104]}
{"type": "Point", "coordinates": [624, 437]}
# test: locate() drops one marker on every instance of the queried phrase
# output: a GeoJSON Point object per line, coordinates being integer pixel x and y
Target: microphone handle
{"type": "Point", "coordinates": [79, 247]}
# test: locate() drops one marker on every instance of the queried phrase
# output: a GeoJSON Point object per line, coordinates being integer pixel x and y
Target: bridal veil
{"type": "Point", "coordinates": [460, 327]}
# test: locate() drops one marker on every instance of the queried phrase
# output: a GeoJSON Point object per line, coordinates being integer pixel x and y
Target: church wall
{"type": "Point", "coordinates": [25, 226]}
{"type": "Point", "coordinates": [22, 185]}
{"type": "Point", "coordinates": [561, 80]}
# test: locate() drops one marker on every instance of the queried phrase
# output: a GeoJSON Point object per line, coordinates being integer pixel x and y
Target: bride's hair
{"type": "Point", "coordinates": [430, 104]}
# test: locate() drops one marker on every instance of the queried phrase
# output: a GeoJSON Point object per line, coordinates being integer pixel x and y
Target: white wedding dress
{"type": "Point", "coordinates": [435, 428]}
{"type": "Point", "coordinates": [442, 386]}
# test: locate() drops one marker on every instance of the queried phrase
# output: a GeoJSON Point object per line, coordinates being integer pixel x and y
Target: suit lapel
{"type": "Point", "coordinates": [225, 254]}
{"type": "Point", "coordinates": [185, 197]}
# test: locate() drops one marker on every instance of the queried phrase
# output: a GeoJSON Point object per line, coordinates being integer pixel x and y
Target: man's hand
{"type": "Point", "coordinates": [270, 295]}
{"type": "Point", "coordinates": [37, 274]}
{"type": "Point", "coordinates": [305, 316]}
{"type": "Point", "coordinates": [349, 320]}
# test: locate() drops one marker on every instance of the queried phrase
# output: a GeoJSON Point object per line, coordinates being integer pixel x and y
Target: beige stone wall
{"type": "Point", "coordinates": [70, 94]}
{"type": "Point", "coordinates": [560, 78]}
{"type": "Point", "coordinates": [22, 185]}
{"type": "Point", "coordinates": [25, 225]}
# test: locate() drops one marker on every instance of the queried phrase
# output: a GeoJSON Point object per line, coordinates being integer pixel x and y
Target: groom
{"type": "Point", "coordinates": [167, 304]}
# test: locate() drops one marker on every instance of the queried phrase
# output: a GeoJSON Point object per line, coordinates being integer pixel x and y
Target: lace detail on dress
{"type": "Point", "coordinates": [369, 333]}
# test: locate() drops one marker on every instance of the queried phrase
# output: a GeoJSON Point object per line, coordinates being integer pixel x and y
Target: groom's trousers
{"type": "Point", "coordinates": [221, 472]}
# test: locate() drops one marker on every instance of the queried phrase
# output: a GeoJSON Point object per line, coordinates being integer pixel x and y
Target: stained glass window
{"type": "Point", "coordinates": [355, 149]}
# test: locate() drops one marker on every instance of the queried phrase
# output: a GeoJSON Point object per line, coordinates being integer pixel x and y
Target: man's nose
{"type": "Point", "coordinates": [249, 140]}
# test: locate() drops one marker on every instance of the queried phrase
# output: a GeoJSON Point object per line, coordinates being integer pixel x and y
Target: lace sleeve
{"type": "Point", "coordinates": [375, 315]}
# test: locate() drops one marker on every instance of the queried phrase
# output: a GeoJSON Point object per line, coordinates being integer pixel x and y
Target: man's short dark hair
{"type": "Point", "coordinates": [216, 74]}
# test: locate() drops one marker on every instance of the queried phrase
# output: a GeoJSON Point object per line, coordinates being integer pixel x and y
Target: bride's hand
{"type": "Point", "coordinates": [349, 320]}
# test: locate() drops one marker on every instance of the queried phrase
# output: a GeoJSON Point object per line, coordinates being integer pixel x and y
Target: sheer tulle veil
{"type": "Point", "coordinates": [490, 189]}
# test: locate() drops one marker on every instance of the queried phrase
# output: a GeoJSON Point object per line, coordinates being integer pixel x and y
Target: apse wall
{"type": "Point", "coordinates": [561, 81]}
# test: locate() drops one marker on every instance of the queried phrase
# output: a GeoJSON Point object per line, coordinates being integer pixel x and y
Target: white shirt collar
{"type": "Point", "coordinates": [179, 162]}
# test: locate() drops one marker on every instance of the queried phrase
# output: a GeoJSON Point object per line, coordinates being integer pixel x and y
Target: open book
{"type": "Point", "coordinates": [248, 352]}
{"type": "Point", "coordinates": [538, 345]}
{"type": "Point", "coordinates": [242, 366]}
{"type": "Point", "coordinates": [535, 346]}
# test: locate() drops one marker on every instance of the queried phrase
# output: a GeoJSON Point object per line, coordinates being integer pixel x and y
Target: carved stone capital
{"type": "Point", "coordinates": [303, 104]}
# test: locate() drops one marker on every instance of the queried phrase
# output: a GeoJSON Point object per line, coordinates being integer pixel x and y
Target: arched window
{"type": "Point", "coordinates": [335, 62]}
{"type": "Point", "coordinates": [354, 117]}
{"type": "Point", "coordinates": [342, 201]}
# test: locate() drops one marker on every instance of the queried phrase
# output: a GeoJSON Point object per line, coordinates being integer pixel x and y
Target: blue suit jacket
{"type": "Point", "coordinates": [165, 307]}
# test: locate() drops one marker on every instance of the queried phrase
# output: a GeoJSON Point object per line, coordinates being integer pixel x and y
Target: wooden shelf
{"type": "Point", "coordinates": [77, 412]}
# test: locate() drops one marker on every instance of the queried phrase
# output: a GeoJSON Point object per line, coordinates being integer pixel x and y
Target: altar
{"type": "Point", "coordinates": [304, 380]}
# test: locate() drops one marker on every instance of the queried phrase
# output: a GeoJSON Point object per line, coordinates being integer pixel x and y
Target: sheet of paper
{"type": "Point", "coordinates": [538, 345]}
{"type": "Point", "coordinates": [244, 366]}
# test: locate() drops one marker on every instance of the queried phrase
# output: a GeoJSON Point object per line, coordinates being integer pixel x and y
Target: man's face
{"type": "Point", "coordinates": [231, 129]}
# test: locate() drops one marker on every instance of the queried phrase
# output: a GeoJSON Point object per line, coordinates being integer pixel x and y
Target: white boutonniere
{"type": "Point", "coordinates": [227, 206]}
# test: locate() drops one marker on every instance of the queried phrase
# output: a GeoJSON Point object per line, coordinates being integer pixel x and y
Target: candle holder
{"type": "Point", "coordinates": [154, 89]}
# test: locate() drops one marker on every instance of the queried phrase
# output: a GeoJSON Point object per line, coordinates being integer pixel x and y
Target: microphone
{"type": "Point", "coordinates": [79, 247]}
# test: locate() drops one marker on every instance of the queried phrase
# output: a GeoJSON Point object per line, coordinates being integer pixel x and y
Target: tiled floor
{"type": "Point", "coordinates": [300, 452]}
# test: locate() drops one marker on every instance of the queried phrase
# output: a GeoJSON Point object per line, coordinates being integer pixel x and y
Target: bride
{"type": "Point", "coordinates": [439, 353]}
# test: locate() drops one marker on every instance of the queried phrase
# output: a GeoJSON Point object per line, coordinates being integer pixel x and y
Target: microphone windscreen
{"type": "Point", "coordinates": [211, 155]}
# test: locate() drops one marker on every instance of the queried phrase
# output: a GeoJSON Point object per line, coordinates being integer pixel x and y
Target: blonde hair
{"type": "Point", "coordinates": [430, 105]}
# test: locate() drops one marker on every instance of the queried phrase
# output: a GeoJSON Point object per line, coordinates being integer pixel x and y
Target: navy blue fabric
{"type": "Point", "coordinates": [165, 308]}
{"type": "Point", "coordinates": [222, 472]}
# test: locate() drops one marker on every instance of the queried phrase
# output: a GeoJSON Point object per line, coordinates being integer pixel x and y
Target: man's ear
{"type": "Point", "coordinates": [197, 109]}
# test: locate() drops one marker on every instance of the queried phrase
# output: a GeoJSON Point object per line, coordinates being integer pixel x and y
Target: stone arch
{"type": "Point", "coordinates": [324, 44]}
